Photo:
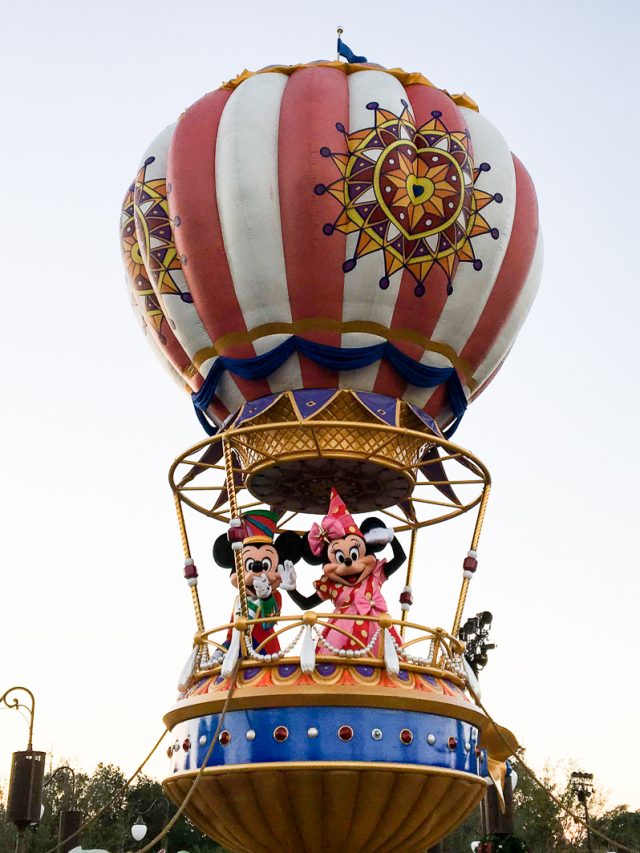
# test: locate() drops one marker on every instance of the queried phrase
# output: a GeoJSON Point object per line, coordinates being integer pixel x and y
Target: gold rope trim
{"type": "Point", "coordinates": [407, 78]}
{"type": "Point", "coordinates": [326, 324]}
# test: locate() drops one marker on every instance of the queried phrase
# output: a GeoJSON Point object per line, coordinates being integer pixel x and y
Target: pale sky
{"type": "Point", "coordinates": [96, 618]}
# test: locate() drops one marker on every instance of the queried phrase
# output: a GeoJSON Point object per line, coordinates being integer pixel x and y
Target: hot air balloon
{"type": "Point", "coordinates": [333, 260]}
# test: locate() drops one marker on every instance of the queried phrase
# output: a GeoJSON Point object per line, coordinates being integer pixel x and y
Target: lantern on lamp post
{"type": "Point", "coordinates": [24, 804]}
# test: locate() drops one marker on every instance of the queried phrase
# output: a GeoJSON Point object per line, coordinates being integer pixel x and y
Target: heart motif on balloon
{"type": "Point", "coordinates": [410, 192]}
{"type": "Point", "coordinates": [421, 190]}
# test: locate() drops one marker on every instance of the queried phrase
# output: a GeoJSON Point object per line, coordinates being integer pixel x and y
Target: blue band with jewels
{"type": "Point", "coordinates": [328, 734]}
{"type": "Point", "coordinates": [333, 358]}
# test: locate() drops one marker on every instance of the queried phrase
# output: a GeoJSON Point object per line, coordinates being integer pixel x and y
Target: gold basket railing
{"type": "Point", "coordinates": [431, 651]}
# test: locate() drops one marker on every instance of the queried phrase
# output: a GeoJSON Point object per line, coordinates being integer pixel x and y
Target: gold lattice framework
{"type": "Point", "coordinates": [407, 471]}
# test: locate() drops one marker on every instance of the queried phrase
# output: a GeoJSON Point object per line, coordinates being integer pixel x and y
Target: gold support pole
{"type": "Point", "coordinates": [474, 547]}
{"type": "Point", "coordinates": [412, 552]}
{"type": "Point", "coordinates": [195, 596]}
{"type": "Point", "coordinates": [233, 509]}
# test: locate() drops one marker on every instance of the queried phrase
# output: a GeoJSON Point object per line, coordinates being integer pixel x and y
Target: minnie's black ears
{"type": "Point", "coordinates": [223, 552]}
{"type": "Point", "coordinates": [370, 524]}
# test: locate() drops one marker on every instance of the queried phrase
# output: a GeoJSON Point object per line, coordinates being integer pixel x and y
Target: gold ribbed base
{"type": "Point", "coordinates": [331, 807]}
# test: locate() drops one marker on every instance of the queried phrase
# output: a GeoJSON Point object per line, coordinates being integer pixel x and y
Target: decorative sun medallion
{"type": "Point", "coordinates": [135, 267]}
{"type": "Point", "coordinates": [410, 193]}
{"type": "Point", "coordinates": [151, 211]}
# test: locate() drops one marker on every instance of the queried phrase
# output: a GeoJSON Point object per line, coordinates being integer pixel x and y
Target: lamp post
{"type": "Point", "coordinates": [582, 788]}
{"type": "Point", "coordinates": [139, 828]}
{"type": "Point", "coordinates": [24, 805]}
{"type": "Point", "coordinates": [70, 819]}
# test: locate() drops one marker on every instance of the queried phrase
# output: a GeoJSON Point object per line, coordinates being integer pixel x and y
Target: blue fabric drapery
{"type": "Point", "coordinates": [333, 358]}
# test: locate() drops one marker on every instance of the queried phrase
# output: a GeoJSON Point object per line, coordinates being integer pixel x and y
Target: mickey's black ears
{"type": "Point", "coordinates": [309, 557]}
{"type": "Point", "coordinates": [370, 524]}
{"type": "Point", "coordinates": [223, 552]}
{"type": "Point", "coordinates": [289, 546]}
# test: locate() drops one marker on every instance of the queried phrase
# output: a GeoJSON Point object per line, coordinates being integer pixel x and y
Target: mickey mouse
{"type": "Point", "coordinates": [268, 565]}
{"type": "Point", "coordinates": [352, 575]}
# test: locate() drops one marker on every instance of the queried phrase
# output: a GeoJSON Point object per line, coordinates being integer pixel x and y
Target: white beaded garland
{"type": "Point", "coordinates": [349, 653]}
{"type": "Point", "coordinates": [275, 655]}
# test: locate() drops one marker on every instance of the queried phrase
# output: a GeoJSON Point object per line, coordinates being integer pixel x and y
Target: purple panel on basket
{"type": "Point", "coordinates": [430, 679]}
{"type": "Point", "coordinates": [287, 669]}
{"type": "Point", "coordinates": [380, 405]}
{"type": "Point", "coordinates": [426, 419]}
{"type": "Point", "coordinates": [250, 673]}
{"type": "Point", "coordinates": [326, 669]}
{"type": "Point", "coordinates": [311, 400]}
{"type": "Point", "coordinates": [403, 675]}
{"type": "Point", "coordinates": [219, 680]}
{"type": "Point", "coordinates": [255, 408]}
{"type": "Point", "coordinates": [365, 671]}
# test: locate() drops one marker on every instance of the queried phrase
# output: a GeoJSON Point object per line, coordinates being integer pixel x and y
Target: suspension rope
{"type": "Point", "coordinates": [195, 596]}
{"type": "Point", "coordinates": [573, 815]}
{"type": "Point", "coordinates": [412, 554]}
{"type": "Point", "coordinates": [111, 802]}
{"type": "Point", "coordinates": [457, 619]}
{"type": "Point", "coordinates": [168, 826]}
{"type": "Point", "coordinates": [233, 510]}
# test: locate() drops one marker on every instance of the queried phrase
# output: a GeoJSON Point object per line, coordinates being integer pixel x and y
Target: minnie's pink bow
{"type": "Point", "coordinates": [321, 535]}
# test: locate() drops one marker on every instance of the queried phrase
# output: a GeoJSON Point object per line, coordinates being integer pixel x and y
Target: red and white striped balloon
{"type": "Point", "coordinates": [276, 206]}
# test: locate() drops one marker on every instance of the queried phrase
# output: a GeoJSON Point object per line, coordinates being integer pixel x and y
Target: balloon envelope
{"type": "Point", "coordinates": [332, 226]}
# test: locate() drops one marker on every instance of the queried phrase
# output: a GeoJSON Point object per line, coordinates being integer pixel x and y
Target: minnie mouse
{"type": "Point", "coordinates": [268, 566]}
{"type": "Point", "coordinates": [352, 575]}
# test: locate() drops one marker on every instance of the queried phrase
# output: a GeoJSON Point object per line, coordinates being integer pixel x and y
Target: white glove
{"type": "Point", "coordinates": [287, 575]}
{"type": "Point", "coordinates": [379, 536]}
{"type": "Point", "coordinates": [262, 586]}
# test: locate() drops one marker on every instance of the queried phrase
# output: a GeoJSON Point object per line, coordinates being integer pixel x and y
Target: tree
{"type": "Point", "coordinates": [621, 825]}
{"type": "Point", "coordinates": [544, 826]}
{"type": "Point", "coordinates": [111, 831]}
{"type": "Point", "coordinates": [538, 820]}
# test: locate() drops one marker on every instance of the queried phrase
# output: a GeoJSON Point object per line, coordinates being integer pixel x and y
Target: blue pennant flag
{"type": "Point", "coordinates": [346, 53]}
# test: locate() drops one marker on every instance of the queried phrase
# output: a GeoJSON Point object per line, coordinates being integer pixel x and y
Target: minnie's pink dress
{"type": "Point", "coordinates": [365, 599]}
